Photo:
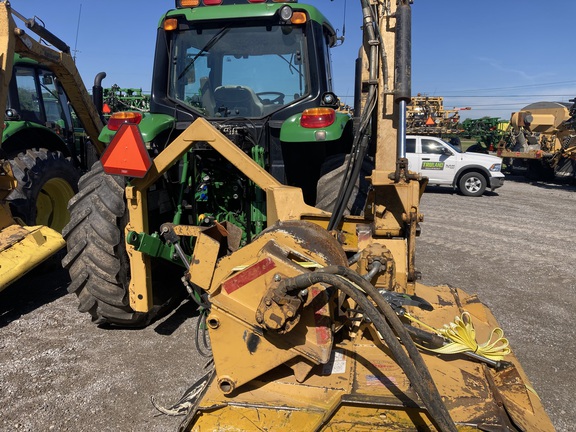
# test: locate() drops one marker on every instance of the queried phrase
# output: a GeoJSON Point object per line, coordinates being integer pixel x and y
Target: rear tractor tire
{"type": "Point", "coordinates": [47, 180]}
{"type": "Point", "coordinates": [472, 184]}
{"type": "Point", "coordinates": [97, 261]}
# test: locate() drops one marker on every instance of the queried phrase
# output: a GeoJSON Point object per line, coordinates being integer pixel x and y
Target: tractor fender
{"type": "Point", "coordinates": [151, 126]}
{"type": "Point", "coordinates": [19, 136]}
{"type": "Point", "coordinates": [292, 131]}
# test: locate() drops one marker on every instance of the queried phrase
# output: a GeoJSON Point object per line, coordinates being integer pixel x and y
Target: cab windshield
{"type": "Point", "coordinates": [238, 71]}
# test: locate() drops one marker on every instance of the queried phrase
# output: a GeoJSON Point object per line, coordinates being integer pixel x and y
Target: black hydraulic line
{"type": "Point", "coordinates": [424, 386]}
{"type": "Point", "coordinates": [200, 333]}
{"type": "Point", "coordinates": [339, 205]}
{"type": "Point", "coordinates": [400, 330]}
{"type": "Point", "coordinates": [383, 58]}
{"type": "Point", "coordinates": [361, 138]}
{"type": "Point", "coordinates": [349, 184]}
{"type": "Point", "coordinates": [357, 154]}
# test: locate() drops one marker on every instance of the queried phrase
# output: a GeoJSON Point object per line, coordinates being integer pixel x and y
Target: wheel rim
{"type": "Point", "coordinates": [52, 202]}
{"type": "Point", "coordinates": [473, 184]}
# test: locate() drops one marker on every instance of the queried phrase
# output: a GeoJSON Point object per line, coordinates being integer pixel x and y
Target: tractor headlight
{"type": "Point", "coordinates": [496, 167]}
{"type": "Point", "coordinates": [286, 13]}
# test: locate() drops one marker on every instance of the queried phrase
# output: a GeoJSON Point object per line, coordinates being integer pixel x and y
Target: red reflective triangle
{"type": "Point", "coordinates": [430, 121]}
{"type": "Point", "coordinates": [127, 155]}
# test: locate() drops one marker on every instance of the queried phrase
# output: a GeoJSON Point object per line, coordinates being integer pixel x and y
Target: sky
{"type": "Point", "coordinates": [495, 56]}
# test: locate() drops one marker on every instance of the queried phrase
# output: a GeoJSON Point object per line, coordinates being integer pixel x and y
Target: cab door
{"type": "Point", "coordinates": [437, 161]}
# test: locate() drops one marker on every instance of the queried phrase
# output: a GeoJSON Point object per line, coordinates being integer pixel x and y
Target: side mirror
{"type": "Point", "coordinates": [446, 151]}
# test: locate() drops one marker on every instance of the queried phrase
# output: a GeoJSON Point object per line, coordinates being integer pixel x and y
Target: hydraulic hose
{"type": "Point", "coordinates": [362, 137]}
{"type": "Point", "coordinates": [416, 371]}
{"type": "Point", "coordinates": [353, 173]}
{"type": "Point", "coordinates": [402, 333]}
{"type": "Point", "coordinates": [200, 338]}
{"type": "Point", "coordinates": [357, 154]}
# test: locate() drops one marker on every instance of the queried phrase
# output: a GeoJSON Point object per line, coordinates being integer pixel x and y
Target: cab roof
{"type": "Point", "coordinates": [242, 10]}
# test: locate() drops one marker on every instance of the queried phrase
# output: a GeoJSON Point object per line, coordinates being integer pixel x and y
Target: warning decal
{"type": "Point", "coordinates": [337, 363]}
{"type": "Point", "coordinates": [248, 275]}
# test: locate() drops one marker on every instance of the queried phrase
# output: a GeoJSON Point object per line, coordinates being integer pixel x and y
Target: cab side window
{"type": "Point", "coordinates": [51, 98]}
{"type": "Point", "coordinates": [28, 95]}
{"type": "Point", "coordinates": [410, 145]}
{"type": "Point", "coordinates": [432, 147]}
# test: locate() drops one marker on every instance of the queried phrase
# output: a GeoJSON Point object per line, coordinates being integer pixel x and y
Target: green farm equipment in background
{"type": "Point", "coordinates": [487, 131]}
{"type": "Point", "coordinates": [124, 99]}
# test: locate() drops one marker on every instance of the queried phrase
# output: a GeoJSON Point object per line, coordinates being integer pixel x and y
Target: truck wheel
{"type": "Point", "coordinates": [47, 180]}
{"type": "Point", "coordinates": [97, 260]}
{"type": "Point", "coordinates": [472, 184]}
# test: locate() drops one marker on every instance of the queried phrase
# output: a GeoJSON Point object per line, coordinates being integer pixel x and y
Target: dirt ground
{"type": "Point", "coordinates": [515, 248]}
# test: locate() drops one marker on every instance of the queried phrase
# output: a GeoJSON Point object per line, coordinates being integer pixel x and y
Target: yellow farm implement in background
{"type": "Point", "coordinates": [21, 247]}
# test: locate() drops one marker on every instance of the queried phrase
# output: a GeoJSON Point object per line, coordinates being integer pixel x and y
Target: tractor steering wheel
{"type": "Point", "coordinates": [279, 99]}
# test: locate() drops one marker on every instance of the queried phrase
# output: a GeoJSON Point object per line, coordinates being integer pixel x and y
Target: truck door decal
{"type": "Point", "coordinates": [433, 165]}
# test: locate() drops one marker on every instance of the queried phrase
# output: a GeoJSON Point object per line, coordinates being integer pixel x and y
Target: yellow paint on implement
{"type": "Point", "coordinates": [23, 248]}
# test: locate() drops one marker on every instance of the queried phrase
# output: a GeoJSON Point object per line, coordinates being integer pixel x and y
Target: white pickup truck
{"type": "Point", "coordinates": [444, 164]}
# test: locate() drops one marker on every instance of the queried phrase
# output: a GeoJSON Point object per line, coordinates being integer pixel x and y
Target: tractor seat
{"type": "Point", "coordinates": [237, 101]}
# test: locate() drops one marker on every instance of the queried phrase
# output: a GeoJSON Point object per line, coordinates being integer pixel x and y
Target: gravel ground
{"type": "Point", "coordinates": [513, 247]}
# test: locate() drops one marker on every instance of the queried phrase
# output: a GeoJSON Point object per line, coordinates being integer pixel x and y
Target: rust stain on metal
{"type": "Point", "coordinates": [313, 239]}
{"type": "Point", "coordinates": [321, 316]}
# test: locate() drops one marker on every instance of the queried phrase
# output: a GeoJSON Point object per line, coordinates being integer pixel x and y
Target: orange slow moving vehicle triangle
{"type": "Point", "coordinates": [126, 155]}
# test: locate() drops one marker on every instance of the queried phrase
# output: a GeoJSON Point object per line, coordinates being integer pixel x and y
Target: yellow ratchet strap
{"type": "Point", "coordinates": [462, 337]}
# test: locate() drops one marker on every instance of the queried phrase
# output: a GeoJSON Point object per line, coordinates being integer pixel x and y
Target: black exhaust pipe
{"type": "Point", "coordinates": [98, 93]}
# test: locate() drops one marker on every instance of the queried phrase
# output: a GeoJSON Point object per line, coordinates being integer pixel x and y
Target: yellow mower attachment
{"type": "Point", "coordinates": [292, 352]}
{"type": "Point", "coordinates": [21, 247]}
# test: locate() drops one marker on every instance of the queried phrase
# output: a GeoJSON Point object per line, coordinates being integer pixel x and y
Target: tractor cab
{"type": "Point", "coordinates": [260, 71]}
{"type": "Point", "coordinates": [36, 102]}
